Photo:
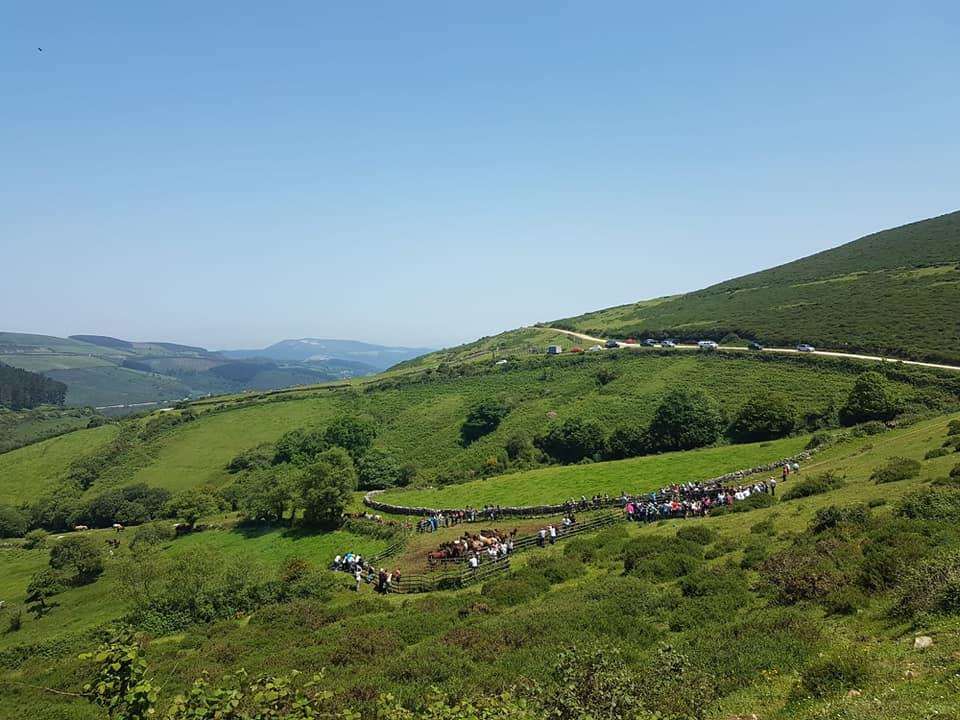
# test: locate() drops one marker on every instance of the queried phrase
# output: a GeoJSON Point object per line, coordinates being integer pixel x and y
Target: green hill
{"type": "Point", "coordinates": [894, 292]}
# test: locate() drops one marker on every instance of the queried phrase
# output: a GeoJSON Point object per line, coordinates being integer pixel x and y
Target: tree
{"type": "Point", "coordinates": [685, 419]}
{"type": "Point", "coordinates": [325, 488]}
{"type": "Point", "coordinates": [193, 504]}
{"type": "Point", "coordinates": [378, 470]}
{"type": "Point", "coordinates": [872, 398]}
{"type": "Point", "coordinates": [355, 435]}
{"type": "Point", "coordinates": [299, 447]}
{"type": "Point", "coordinates": [520, 449]}
{"type": "Point", "coordinates": [764, 417]}
{"type": "Point", "coordinates": [81, 555]}
{"type": "Point", "coordinates": [628, 441]}
{"type": "Point", "coordinates": [43, 585]}
{"type": "Point", "coordinates": [572, 441]}
{"type": "Point", "coordinates": [268, 493]}
{"type": "Point", "coordinates": [13, 522]}
{"type": "Point", "coordinates": [482, 420]}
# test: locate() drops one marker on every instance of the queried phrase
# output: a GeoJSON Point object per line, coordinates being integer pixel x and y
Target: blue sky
{"type": "Point", "coordinates": [231, 174]}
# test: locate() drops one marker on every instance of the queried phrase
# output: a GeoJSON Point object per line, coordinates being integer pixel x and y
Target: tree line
{"type": "Point", "coordinates": [21, 389]}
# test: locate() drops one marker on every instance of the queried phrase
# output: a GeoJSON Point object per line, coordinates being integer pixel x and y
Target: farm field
{"type": "Point", "coordinates": [557, 484]}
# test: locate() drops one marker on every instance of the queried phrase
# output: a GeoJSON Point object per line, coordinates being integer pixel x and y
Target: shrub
{"type": "Point", "coordinates": [931, 586]}
{"type": "Point", "coordinates": [556, 569]}
{"type": "Point", "coordinates": [697, 533]}
{"type": "Point", "coordinates": [936, 453]}
{"type": "Point", "coordinates": [955, 471]}
{"type": "Point", "coordinates": [868, 429]}
{"type": "Point", "coordinates": [255, 458]}
{"type": "Point", "coordinates": [515, 589]}
{"type": "Point", "coordinates": [872, 398]}
{"type": "Point", "coordinates": [355, 435]}
{"type": "Point", "coordinates": [13, 522]}
{"type": "Point", "coordinates": [627, 441]}
{"type": "Point", "coordinates": [846, 600]}
{"type": "Point", "coordinates": [896, 469]}
{"type": "Point", "coordinates": [808, 570]}
{"type": "Point", "coordinates": [953, 427]}
{"type": "Point", "coordinates": [572, 441]}
{"type": "Point", "coordinates": [763, 417]}
{"type": "Point", "coordinates": [606, 375]}
{"type": "Point", "coordinates": [815, 485]}
{"type": "Point", "coordinates": [931, 504]}
{"type": "Point", "coordinates": [658, 558]}
{"type": "Point", "coordinates": [80, 554]}
{"type": "Point", "coordinates": [833, 674]}
{"type": "Point", "coordinates": [151, 534]}
{"type": "Point", "coordinates": [684, 420]}
{"type": "Point", "coordinates": [35, 539]}
{"type": "Point", "coordinates": [482, 420]}
{"type": "Point", "coordinates": [820, 439]}
{"type": "Point", "coordinates": [764, 527]}
{"type": "Point", "coordinates": [857, 515]}
{"type": "Point", "coordinates": [754, 554]}
{"type": "Point", "coordinates": [299, 447]}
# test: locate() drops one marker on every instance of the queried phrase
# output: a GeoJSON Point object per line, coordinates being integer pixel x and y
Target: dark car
{"type": "Point", "coordinates": [650, 342]}
{"type": "Point", "coordinates": [611, 344]}
{"type": "Point", "coordinates": [755, 346]}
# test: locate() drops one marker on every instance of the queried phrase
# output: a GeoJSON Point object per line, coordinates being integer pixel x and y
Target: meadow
{"type": "Point", "coordinates": [562, 482]}
{"type": "Point", "coordinates": [775, 659]}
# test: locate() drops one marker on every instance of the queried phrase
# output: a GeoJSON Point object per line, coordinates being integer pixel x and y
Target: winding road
{"type": "Point", "coordinates": [826, 353]}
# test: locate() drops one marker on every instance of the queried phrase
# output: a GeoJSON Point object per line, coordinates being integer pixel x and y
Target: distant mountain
{"type": "Point", "coordinates": [317, 350]}
{"type": "Point", "coordinates": [109, 372]}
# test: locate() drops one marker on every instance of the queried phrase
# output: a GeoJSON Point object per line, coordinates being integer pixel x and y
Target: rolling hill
{"type": "Point", "coordinates": [894, 292]}
{"type": "Point", "coordinates": [118, 375]}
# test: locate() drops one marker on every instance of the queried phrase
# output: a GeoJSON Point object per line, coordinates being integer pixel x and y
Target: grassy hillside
{"type": "Point", "coordinates": [712, 597]}
{"type": "Point", "coordinates": [893, 292]}
{"type": "Point", "coordinates": [418, 418]}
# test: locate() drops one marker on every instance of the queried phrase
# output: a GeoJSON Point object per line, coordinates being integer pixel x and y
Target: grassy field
{"type": "Point", "coordinates": [892, 292]}
{"type": "Point", "coordinates": [23, 427]}
{"type": "Point", "coordinates": [483, 639]}
{"type": "Point", "coordinates": [419, 422]}
{"type": "Point", "coordinates": [559, 483]}
{"type": "Point", "coordinates": [29, 471]}
{"type": "Point", "coordinates": [88, 606]}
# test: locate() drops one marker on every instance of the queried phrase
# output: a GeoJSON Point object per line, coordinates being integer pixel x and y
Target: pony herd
{"type": "Point", "coordinates": [469, 544]}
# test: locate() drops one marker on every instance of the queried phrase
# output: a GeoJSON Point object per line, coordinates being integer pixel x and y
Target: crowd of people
{"type": "Point", "coordinates": [696, 499]}
{"type": "Point", "coordinates": [441, 519]}
{"type": "Point", "coordinates": [364, 573]}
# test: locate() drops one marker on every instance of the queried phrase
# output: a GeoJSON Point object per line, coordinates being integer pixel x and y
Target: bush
{"type": "Point", "coordinates": [35, 539]}
{"type": "Point", "coordinates": [896, 469]}
{"type": "Point", "coordinates": [572, 441]}
{"type": "Point", "coordinates": [80, 554]}
{"type": "Point", "coordinates": [657, 558]}
{"type": "Point", "coordinates": [955, 471]}
{"type": "Point", "coordinates": [754, 554]}
{"type": "Point", "coordinates": [152, 534]}
{"type": "Point", "coordinates": [378, 470]}
{"type": "Point", "coordinates": [253, 459]}
{"type": "Point", "coordinates": [872, 398]}
{"type": "Point", "coordinates": [868, 429]}
{"type": "Point", "coordinates": [556, 569]}
{"type": "Point", "coordinates": [684, 420]}
{"type": "Point", "coordinates": [953, 427]}
{"type": "Point", "coordinates": [820, 439]}
{"type": "Point", "coordinates": [936, 453]}
{"type": "Point", "coordinates": [932, 586]}
{"type": "Point", "coordinates": [299, 447]}
{"type": "Point", "coordinates": [482, 420]}
{"type": "Point", "coordinates": [13, 522]}
{"type": "Point", "coordinates": [697, 533]}
{"type": "Point", "coordinates": [931, 504]}
{"type": "Point", "coordinates": [846, 600]}
{"type": "Point", "coordinates": [606, 375]}
{"type": "Point", "coordinates": [815, 485]}
{"type": "Point", "coordinates": [515, 589]}
{"type": "Point", "coordinates": [833, 674]}
{"type": "Point", "coordinates": [627, 441]}
{"type": "Point", "coordinates": [857, 515]}
{"type": "Point", "coordinates": [763, 417]}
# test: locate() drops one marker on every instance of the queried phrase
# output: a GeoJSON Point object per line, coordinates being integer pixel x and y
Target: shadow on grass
{"type": "Point", "coordinates": [252, 530]}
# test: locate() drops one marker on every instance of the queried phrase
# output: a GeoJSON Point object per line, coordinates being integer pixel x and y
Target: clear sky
{"type": "Point", "coordinates": [234, 173]}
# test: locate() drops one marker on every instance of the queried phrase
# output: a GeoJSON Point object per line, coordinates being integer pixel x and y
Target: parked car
{"type": "Point", "coordinates": [707, 345]}
{"type": "Point", "coordinates": [554, 350]}
{"type": "Point", "coordinates": [667, 343]}
{"type": "Point", "coordinates": [594, 348]}
{"type": "Point", "coordinates": [611, 344]}
{"type": "Point", "coordinates": [803, 347]}
{"type": "Point", "coordinates": [650, 342]}
{"type": "Point", "coordinates": [576, 349]}
{"type": "Point", "coordinates": [755, 346]}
